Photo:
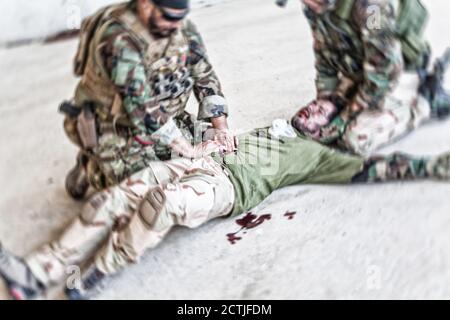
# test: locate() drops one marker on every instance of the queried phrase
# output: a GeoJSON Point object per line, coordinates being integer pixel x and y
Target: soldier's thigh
{"type": "Point", "coordinates": [372, 129]}
{"type": "Point", "coordinates": [203, 194]}
{"type": "Point", "coordinates": [169, 171]}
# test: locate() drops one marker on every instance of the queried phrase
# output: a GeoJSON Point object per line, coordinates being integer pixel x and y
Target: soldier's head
{"type": "Point", "coordinates": [320, 6]}
{"type": "Point", "coordinates": [315, 115]}
{"type": "Point", "coordinates": [163, 17]}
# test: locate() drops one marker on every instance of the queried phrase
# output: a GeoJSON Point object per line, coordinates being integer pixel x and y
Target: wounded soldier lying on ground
{"type": "Point", "coordinates": [119, 224]}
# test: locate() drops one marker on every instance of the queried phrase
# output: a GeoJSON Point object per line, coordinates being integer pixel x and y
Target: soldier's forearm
{"type": "Point", "coordinates": [366, 98]}
{"type": "Point", "coordinates": [326, 85]}
{"type": "Point", "coordinates": [379, 81]}
{"type": "Point", "coordinates": [220, 123]}
{"type": "Point", "coordinates": [186, 150]}
{"type": "Point", "coordinates": [213, 106]}
{"type": "Point", "coordinates": [382, 67]}
{"type": "Point", "coordinates": [182, 147]}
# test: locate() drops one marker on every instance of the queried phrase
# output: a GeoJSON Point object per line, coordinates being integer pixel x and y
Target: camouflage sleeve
{"type": "Point", "coordinates": [383, 54]}
{"type": "Point", "coordinates": [124, 63]}
{"type": "Point", "coordinates": [207, 87]}
{"type": "Point", "coordinates": [327, 79]}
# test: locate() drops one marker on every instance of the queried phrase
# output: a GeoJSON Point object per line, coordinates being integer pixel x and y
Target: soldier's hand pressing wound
{"type": "Point", "coordinates": [186, 150]}
{"type": "Point", "coordinates": [222, 135]}
{"type": "Point", "coordinates": [228, 141]}
{"type": "Point", "coordinates": [206, 148]}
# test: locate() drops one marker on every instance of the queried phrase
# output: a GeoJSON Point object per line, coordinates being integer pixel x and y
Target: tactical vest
{"type": "Point", "coordinates": [411, 21]}
{"type": "Point", "coordinates": [165, 61]}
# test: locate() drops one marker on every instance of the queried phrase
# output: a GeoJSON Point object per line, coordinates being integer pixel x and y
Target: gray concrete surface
{"type": "Point", "coordinates": [25, 21]}
{"type": "Point", "coordinates": [387, 241]}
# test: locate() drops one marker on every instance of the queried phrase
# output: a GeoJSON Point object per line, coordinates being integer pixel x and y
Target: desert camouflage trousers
{"type": "Point", "coordinates": [404, 110]}
{"type": "Point", "coordinates": [112, 230]}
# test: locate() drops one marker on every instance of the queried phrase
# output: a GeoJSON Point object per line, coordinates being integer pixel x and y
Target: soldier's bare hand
{"type": "Point", "coordinates": [185, 149]}
{"type": "Point", "coordinates": [227, 140]}
{"type": "Point", "coordinates": [205, 149]}
{"type": "Point", "coordinates": [222, 135]}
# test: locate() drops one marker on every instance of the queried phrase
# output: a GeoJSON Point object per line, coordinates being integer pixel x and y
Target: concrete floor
{"type": "Point", "coordinates": [365, 242]}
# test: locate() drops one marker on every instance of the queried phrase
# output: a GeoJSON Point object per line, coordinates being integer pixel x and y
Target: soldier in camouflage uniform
{"type": "Point", "coordinates": [139, 63]}
{"type": "Point", "coordinates": [137, 214]}
{"type": "Point", "coordinates": [369, 90]}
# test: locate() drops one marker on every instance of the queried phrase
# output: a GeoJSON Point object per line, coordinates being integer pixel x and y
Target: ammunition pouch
{"type": "Point", "coordinates": [171, 85]}
{"type": "Point", "coordinates": [87, 128]}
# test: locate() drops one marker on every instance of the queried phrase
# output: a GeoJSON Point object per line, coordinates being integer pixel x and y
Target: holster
{"type": "Point", "coordinates": [87, 127]}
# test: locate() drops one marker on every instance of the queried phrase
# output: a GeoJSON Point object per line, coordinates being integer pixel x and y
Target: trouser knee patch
{"type": "Point", "coordinates": [90, 211]}
{"type": "Point", "coordinates": [151, 206]}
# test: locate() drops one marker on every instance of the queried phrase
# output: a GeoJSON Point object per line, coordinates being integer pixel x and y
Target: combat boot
{"type": "Point", "coordinates": [77, 183]}
{"type": "Point", "coordinates": [20, 281]}
{"type": "Point", "coordinates": [91, 285]}
{"type": "Point", "coordinates": [433, 90]}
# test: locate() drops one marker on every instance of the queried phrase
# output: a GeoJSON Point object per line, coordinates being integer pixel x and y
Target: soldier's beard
{"type": "Point", "coordinates": [158, 32]}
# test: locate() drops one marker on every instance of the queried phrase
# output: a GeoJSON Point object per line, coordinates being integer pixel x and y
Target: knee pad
{"type": "Point", "coordinates": [151, 206]}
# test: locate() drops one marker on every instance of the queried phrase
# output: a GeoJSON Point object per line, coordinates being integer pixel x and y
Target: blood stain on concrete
{"type": "Point", "coordinates": [248, 222]}
{"type": "Point", "coordinates": [290, 214]}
